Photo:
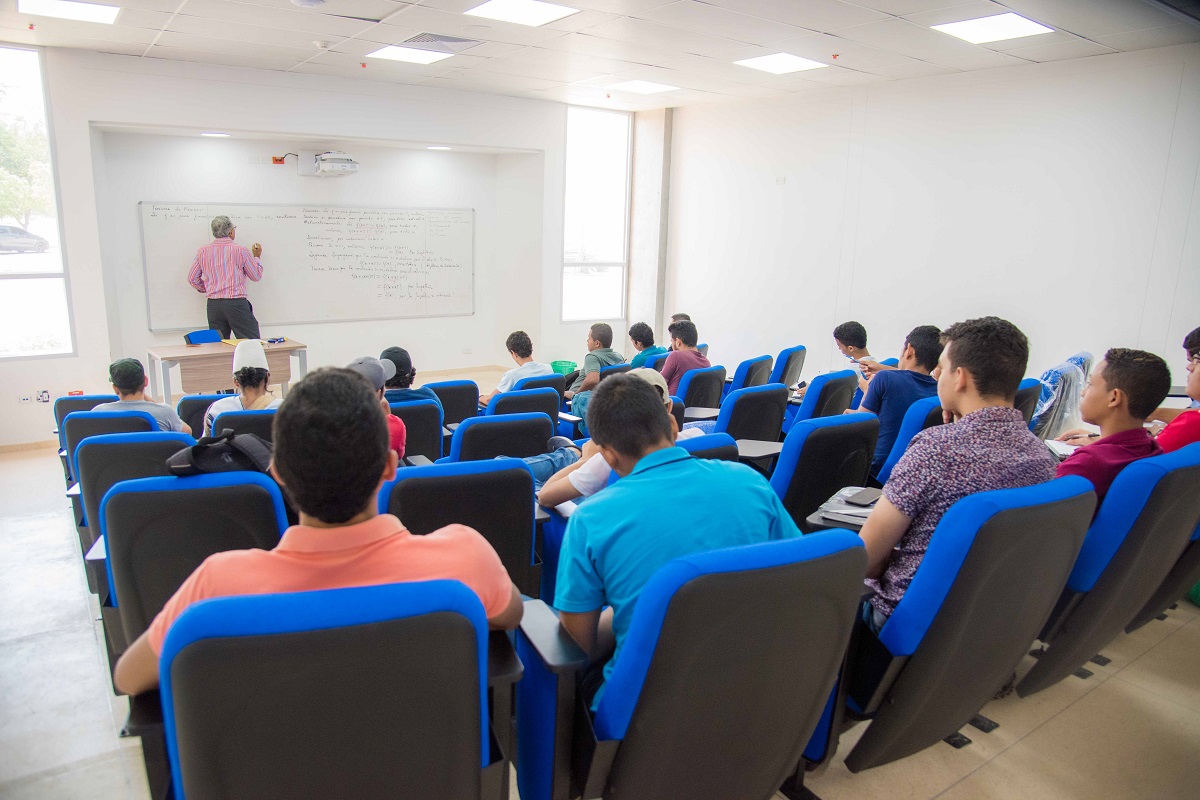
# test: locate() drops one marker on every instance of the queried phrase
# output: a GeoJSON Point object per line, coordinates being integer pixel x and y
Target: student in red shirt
{"type": "Point", "coordinates": [1184, 429]}
{"type": "Point", "coordinates": [1123, 390]}
{"type": "Point", "coordinates": [684, 355]}
{"type": "Point", "coordinates": [331, 458]}
{"type": "Point", "coordinates": [378, 371]}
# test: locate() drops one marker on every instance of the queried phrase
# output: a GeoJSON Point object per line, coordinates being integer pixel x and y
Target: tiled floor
{"type": "Point", "coordinates": [1131, 731]}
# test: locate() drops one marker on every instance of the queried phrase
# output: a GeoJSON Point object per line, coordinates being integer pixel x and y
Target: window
{"type": "Point", "coordinates": [596, 226]}
{"type": "Point", "coordinates": [34, 317]}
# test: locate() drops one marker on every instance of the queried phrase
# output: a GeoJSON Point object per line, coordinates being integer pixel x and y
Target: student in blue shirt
{"type": "Point", "coordinates": [892, 391]}
{"type": "Point", "coordinates": [398, 388]}
{"type": "Point", "coordinates": [643, 341]}
{"type": "Point", "coordinates": [666, 504]}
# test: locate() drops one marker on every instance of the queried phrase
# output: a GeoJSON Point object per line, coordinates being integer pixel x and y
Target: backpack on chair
{"type": "Point", "coordinates": [228, 452]}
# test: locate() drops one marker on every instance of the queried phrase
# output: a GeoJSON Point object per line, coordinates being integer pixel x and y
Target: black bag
{"type": "Point", "coordinates": [229, 452]}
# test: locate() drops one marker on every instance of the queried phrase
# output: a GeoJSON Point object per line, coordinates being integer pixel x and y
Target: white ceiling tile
{"type": "Point", "coordinates": [901, 7]}
{"type": "Point", "coordinates": [255, 34]}
{"type": "Point", "coordinates": [745, 90]}
{"type": "Point", "coordinates": [10, 21]}
{"type": "Point", "coordinates": [431, 20]}
{"type": "Point", "coordinates": [366, 9]}
{"type": "Point", "coordinates": [907, 38]}
{"type": "Point", "coordinates": [137, 18]}
{"type": "Point", "coordinates": [1079, 48]}
{"type": "Point", "coordinates": [518, 68]}
{"type": "Point", "coordinates": [226, 59]}
{"type": "Point", "coordinates": [852, 55]}
{"type": "Point", "coordinates": [816, 15]}
{"type": "Point", "coordinates": [1152, 37]}
{"type": "Point", "coordinates": [912, 69]}
{"type": "Point", "coordinates": [597, 98]}
{"type": "Point", "coordinates": [956, 12]}
{"type": "Point", "coordinates": [617, 6]}
{"type": "Point", "coordinates": [360, 73]}
{"type": "Point", "coordinates": [581, 21]}
{"type": "Point", "coordinates": [1093, 18]}
{"type": "Point", "coordinates": [45, 38]}
{"type": "Point", "coordinates": [628, 29]}
{"type": "Point", "coordinates": [391, 34]}
{"type": "Point", "coordinates": [983, 59]}
{"type": "Point", "coordinates": [296, 20]}
{"type": "Point", "coordinates": [840, 76]}
{"type": "Point", "coordinates": [496, 49]}
{"type": "Point", "coordinates": [212, 44]}
{"type": "Point", "coordinates": [568, 60]}
{"type": "Point", "coordinates": [611, 48]}
{"type": "Point", "coordinates": [713, 21]}
{"type": "Point", "coordinates": [671, 77]}
{"type": "Point", "coordinates": [474, 80]}
{"type": "Point", "coordinates": [165, 6]}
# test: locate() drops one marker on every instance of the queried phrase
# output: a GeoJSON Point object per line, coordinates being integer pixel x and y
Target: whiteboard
{"type": "Point", "coordinates": [320, 263]}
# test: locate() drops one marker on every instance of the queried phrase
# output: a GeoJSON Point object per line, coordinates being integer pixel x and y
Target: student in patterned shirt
{"type": "Point", "coordinates": [988, 447]}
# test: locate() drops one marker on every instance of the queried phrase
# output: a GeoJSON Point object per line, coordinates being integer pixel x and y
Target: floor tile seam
{"type": "Point", "coordinates": [1149, 650]}
{"type": "Point", "coordinates": [61, 769]}
{"type": "Point", "coordinates": [1157, 694]}
{"type": "Point", "coordinates": [1030, 732]}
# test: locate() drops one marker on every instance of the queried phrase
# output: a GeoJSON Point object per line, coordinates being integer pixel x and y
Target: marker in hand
{"type": "Point", "coordinates": [256, 249]}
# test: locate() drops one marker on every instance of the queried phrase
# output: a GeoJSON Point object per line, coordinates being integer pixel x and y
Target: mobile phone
{"type": "Point", "coordinates": [801, 385]}
{"type": "Point", "coordinates": [864, 497]}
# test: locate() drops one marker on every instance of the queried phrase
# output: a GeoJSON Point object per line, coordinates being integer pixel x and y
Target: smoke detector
{"type": "Point", "coordinates": [308, 3]}
{"type": "Point", "coordinates": [323, 45]}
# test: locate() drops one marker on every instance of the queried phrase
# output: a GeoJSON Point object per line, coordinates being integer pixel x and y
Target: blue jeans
{"type": "Point", "coordinates": [706, 425]}
{"type": "Point", "coordinates": [579, 406]}
{"type": "Point", "coordinates": [546, 464]}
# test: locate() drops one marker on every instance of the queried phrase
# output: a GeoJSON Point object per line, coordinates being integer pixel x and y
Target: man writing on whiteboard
{"type": "Point", "coordinates": [220, 271]}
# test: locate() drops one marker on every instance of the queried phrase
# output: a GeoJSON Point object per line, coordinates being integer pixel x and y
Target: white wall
{"type": "Point", "coordinates": [87, 89]}
{"type": "Point", "coordinates": [1062, 196]}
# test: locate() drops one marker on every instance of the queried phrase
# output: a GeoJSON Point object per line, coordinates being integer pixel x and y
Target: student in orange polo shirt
{"type": "Point", "coordinates": [331, 458]}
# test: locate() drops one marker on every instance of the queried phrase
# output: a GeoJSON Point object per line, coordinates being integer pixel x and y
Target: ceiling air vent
{"type": "Point", "coordinates": [440, 44]}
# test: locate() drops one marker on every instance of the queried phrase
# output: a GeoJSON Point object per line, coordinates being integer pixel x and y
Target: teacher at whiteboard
{"type": "Point", "coordinates": [220, 270]}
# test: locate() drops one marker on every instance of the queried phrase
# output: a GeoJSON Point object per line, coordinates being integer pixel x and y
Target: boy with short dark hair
{"type": "Point", "coordinates": [684, 355]}
{"type": "Point", "coordinates": [1123, 389]}
{"type": "Point", "coordinates": [331, 458]}
{"type": "Point", "coordinates": [129, 382]}
{"type": "Point", "coordinates": [988, 447]}
{"type": "Point", "coordinates": [398, 388]}
{"type": "Point", "coordinates": [890, 393]}
{"type": "Point", "coordinates": [520, 349]}
{"type": "Point", "coordinates": [1184, 428]}
{"type": "Point", "coordinates": [642, 337]}
{"type": "Point", "coordinates": [620, 537]}
{"type": "Point", "coordinates": [600, 354]}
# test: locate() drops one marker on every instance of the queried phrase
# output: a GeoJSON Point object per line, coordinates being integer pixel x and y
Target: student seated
{"type": "Point", "coordinates": [642, 337]}
{"type": "Point", "coordinates": [129, 381]}
{"type": "Point", "coordinates": [684, 355]}
{"type": "Point", "coordinates": [666, 505]}
{"type": "Point", "coordinates": [890, 393]}
{"type": "Point", "coordinates": [570, 473]}
{"type": "Point", "coordinates": [988, 447]}
{"type": "Point", "coordinates": [600, 354]}
{"type": "Point", "coordinates": [376, 371]}
{"type": "Point", "coordinates": [251, 375]}
{"type": "Point", "coordinates": [398, 388]}
{"type": "Point", "coordinates": [675, 318]}
{"type": "Point", "coordinates": [1191, 345]}
{"type": "Point", "coordinates": [1184, 429]}
{"type": "Point", "coordinates": [851, 340]}
{"type": "Point", "coordinates": [520, 349]}
{"type": "Point", "coordinates": [1124, 389]}
{"type": "Point", "coordinates": [331, 458]}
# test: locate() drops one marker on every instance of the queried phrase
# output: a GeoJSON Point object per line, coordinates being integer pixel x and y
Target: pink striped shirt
{"type": "Point", "coordinates": [220, 269]}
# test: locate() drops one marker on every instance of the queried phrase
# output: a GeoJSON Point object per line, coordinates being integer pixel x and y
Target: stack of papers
{"type": "Point", "coordinates": [1061, 449]}
{"type": "Point", "coordinates": [838, 510]}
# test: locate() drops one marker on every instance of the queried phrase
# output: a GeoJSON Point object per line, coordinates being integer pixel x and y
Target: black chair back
{"type": "Point", "coordinates": [460, 400]}
{"type": "Point", "coordinates": [422, 427]}
{"type": "Point", "coordinates": [65, 405]}
{"type": "Point", "coordinates": [494, 498]}
{"type": "Point", "coordinates": [522, 402]}
{"type": "Point", "coordinates": [514, 435]}
{"type": "Point", "coordinates": [257, 422]}
{"type": "Point", "coordinates": [759, 373]}
{"type": "Point", "coordinates": [106, 461]}
{"type": "Point", "coordinates": [78, 428]}
{"type": "Point", "coordinates": [794, 365]}
{"type": "Point", "coordinates": [1182, 577]}
{"type": "Point", "coordinates": [758, 415]}
{"type": "Point", "coordinates": [614, 369]}
{"type": "Point", "coordinates": [556, 382]}
{"type": "Point", "coordinates": [832, 455]}
{"type": "Point", "coordinates": [836, 396]}
{"type": "Point", "coordinates": [1026, 401]}
{"type": "Point", "coordinates": [705, 388]}
{"type": "Point", "coordinates": [158, 530]}
{"type": "Point", "coordinates": [193, 407]}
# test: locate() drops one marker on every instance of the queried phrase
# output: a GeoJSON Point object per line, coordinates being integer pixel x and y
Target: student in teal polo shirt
{"type": "Point", "coordinates": [642, 337]}
{"type": "Point", "coordinates": [667, 504]}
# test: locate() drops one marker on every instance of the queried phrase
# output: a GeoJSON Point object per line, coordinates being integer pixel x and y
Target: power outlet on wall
{"type": "Point", "coordinates": [25, 399]}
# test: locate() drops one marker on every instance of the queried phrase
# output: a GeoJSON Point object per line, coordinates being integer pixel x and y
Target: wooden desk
{"type": "Point", "coordinates": [206, 367]}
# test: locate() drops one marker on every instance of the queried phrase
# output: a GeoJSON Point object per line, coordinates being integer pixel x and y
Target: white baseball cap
{"type": "Point", "coordinates": [249, 353]}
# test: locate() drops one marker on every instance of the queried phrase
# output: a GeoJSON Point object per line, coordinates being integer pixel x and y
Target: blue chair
{"type": "Point", "coordinates": [1181, 578]}
{"type": "Point", "coordinates": [65, 405]}
{"type": "Point", "coordinates": [525, 401]}
{"type": "Point", "coordinates": [79, 425]}
{"type": "Point", "coordinates": [403, 671]}
{"type": "Point", "coordinates": [513, 435]}
{"type": "Point", "coordinates": [789, 365]}
{"type": "Point", "coordinates": [925, 413]}
{"type": "Point", "coordinates": [257, 422]}
{"type": "Point", "coordinates": [202, 336]}
{"type": "Point", "coordinates": [1145, 523]}
{"type": "Point", "coordinates": [693, 708]}
{"type": "Point", "coordinates": [820, 457]}
{"type": "Point", "coordinates": [555, 381]}
{"type": "Point", "coordinates": [422, 427]}
{"type": "Point", "coordinates": [858, 393]}
{"type": "Point", "coordinates": [702, 349]}
{"type": "Point", "coordinates": [459, 399]}
{"type": "Point", "coordinates": [827, 396]}
{"type": "Point", "coordinates": [988, 580]}
{"type": "Point", "coordinates": [192, 408]}
{"type": "Point", "coordinates": [614, 369]}
{"type": "Point", "coordinates": [702, 387]}
{"type": "Point", "coordinates": [720, 446]}
{"type": "Point", "coordinates": [656, 362]}
{"type": "Point", "coordinates": [754, 413]}
{"type": "Point", "coordinates": [1026, 401]}
{"type": "Point", "coordinates": [751, 372]}
{"type": "Point", "coordinates": [494, 497]}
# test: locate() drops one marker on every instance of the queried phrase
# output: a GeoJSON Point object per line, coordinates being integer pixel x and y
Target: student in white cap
{"type": "Point", "coordinates": [251, 375]}
{"type": "Point", "coordinates": [377, 373]}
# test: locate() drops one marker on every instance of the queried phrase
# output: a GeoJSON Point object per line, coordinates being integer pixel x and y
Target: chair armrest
{"type": "Point", "coordinates": [62, 453]}
{"type": "Point", "coordinates": [145, 714]}
{"type": "Point", "coordinates": [700, 412]}
{"type": "Point", "coordinates": [449, 430]}
{"type": "Point", "coordinates": [55, 430]}
{"type": "Point", "coordinates": [504, 668]}
{"type": "Point", "coordinates": [74, 491]}
{"type": "Point", "coordinates": [571, 418]}
{"type": "Point", "coordinates": [417, 460]}
{"type": "Point", "coordinates": [795, 401]}
{"type": "Point", "coordinates": [753, 448]}
{"type": "Point", "coordinates": [729, 380]}
{"type": "Point", "coordinates": [98, 551]}
{"type": "Point", "coordinates": [554, 646]}
{"type": "Point", "coordinates": [540, 514]}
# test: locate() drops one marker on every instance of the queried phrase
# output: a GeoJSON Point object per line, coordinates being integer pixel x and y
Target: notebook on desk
{"type": "Point", "coordinates": [1061, 449]}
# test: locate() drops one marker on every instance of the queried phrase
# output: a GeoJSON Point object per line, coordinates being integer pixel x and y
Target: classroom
{"type": "Point", "coordinates": [916, 281]}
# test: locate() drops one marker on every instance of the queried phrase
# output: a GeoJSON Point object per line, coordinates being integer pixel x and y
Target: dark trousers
{"type": "Point", "coordinates": [233, 314]}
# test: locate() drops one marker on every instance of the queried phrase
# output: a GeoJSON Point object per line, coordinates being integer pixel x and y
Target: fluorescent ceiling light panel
{"type": "Point", "coordinates": [523, 12]}
{"type": "Point", "coordinates": [215, 134]}
{"type": "Point", "coordinates": [66, 9]}
{"type": "Point", "coordinates": [993, 29]}
{"type": "Point", "coordinates": [780, 63]}
{"type": "Point", "coordinates": [643, 87]}
{"type": "Point", "coordinates": [409, 54]}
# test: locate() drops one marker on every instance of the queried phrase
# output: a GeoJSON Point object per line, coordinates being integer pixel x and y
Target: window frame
{"type": "Point", "coordinates": [65, 275]}
{"type": "Point", "coordinates": [628, 219]}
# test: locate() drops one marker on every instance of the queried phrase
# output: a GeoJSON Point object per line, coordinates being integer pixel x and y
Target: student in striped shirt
{"type": "Point", "coordinates": [220, 270]}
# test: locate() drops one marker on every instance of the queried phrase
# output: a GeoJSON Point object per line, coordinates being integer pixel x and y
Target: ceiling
{"type": "Point", "coordinates": [691, 44]}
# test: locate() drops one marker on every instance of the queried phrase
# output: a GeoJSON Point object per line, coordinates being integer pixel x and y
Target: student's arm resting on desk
{"type": "Point", "coordinates": [881, 533]}
{"type": "Point", "coordinates": [559, 488]}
